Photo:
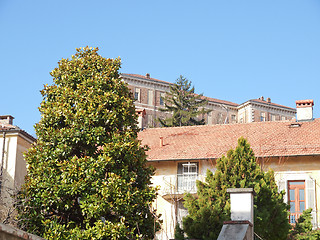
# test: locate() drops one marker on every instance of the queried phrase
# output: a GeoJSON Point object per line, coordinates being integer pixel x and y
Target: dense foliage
{"type": "Point", "coordinates": [186, 106]}
{"type": "Point", "coordinates": [87, 175]}
{"type": "Point", "coordinates": [178, 233]}
{"type": "Point", "coordinates": [303, 228]}
{"type": "Point", "coordinates": [238, 169]}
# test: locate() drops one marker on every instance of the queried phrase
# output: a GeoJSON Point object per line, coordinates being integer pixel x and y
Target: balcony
{"type": "Point", "coordinates": [294, 217]}
{"type": "Point", "coordinates": [174, 186]}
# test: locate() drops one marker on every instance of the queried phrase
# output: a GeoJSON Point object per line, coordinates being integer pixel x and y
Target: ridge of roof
{"type": "Point", "coordinates": [144, 77]}
{"type": "Point", "coordinates": [268, 103]}
{"type": "Point", "coordinates": [221, 101]}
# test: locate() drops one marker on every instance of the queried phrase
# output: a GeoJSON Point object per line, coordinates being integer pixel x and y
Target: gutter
{"type": "Point", "coordinates": [215, 158]}
{"type": "Point", "coordinates": [2, 159]}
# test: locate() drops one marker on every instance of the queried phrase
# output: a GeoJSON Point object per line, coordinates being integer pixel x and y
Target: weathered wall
{"type": "Point", "coordinates": [11, 233]}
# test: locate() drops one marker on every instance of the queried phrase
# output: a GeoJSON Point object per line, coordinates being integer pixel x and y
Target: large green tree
{"type": "Point", "coordinates": [184, 104]}
{"type": "Point", "coordinates": [238, 169]}
{"type": "Point", "coordinates": [87, 174]}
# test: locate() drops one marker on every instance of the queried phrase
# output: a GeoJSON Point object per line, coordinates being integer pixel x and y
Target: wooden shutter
{"type": "Point", "coordinates": [282, 185]}
{"type": "Point", "coordinates": [311, 198]}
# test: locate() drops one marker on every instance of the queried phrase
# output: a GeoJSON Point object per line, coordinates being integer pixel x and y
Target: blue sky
{"type": "Point", "coordinates": [230, 49]}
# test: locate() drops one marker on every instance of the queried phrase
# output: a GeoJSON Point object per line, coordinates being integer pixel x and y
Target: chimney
{"type": "Point", "coordinates": [261, 98]}
{"type": "Point", "coordinates": [161, 141]}
{"type": "Point", "coordinates": [148, 75]}
{"type": "Point", "coordinates": [304, 110]}
{"type": "Point", "coordinates": [268, 100]}
{"type": "Point", "coordinates": [6, 119]}
{"type": "Point", "coordinates": [241, 224]}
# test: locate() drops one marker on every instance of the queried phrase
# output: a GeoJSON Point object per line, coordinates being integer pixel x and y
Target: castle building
{"type": "Point", "coordinates": [149, 92]}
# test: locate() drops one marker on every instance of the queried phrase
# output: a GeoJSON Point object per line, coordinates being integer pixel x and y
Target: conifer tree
{"type": "Point", "coordinates": [87, 175]}
{"type": "Point", "coordinates": [178, 233]}
{"type": "Point", "coordinates": [184, 104]}
{"type": "Point", "coordinates": [238, 169]}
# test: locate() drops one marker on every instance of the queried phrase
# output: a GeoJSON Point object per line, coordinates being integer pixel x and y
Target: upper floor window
{"type": "Point", "coordinates": [263, 117]}
{"type": "Point", "coordinates": [161, 98]}
{"type": "Point", "coordinates": [219, 118]}
{"type": "Point", "coordinates": [150, 97]}
{"type": "Point", "coordinates": [233, 118]}
{"type": "Point", "coordinates": [137, 94]}
{"type": "Point", "coordinates": [209, 120]}
{"type": "Point", "coordinates": [187, 176]}
{"type": "Point", "coordinates": [273, 117]}
{"type": "Point", "coordinates": [283, 118]}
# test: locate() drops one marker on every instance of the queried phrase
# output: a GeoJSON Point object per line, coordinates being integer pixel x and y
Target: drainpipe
{"type": "Point", "coordinates": [2, 159]}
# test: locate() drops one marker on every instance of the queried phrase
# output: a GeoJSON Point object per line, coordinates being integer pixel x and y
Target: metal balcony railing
{"type": "Point", "coordinates": [180, 183]}
{"type": "Point", "coordinates": [294, 217]}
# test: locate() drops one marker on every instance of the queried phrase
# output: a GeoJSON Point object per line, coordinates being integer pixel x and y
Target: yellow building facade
{"type": "Point", "coordinates": [182, 155]}
{"type": "Point", "coordinates": [14, 142]}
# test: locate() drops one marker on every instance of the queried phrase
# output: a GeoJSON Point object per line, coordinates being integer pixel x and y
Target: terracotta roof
{"type": "Point", "coordinates": [8, 128]}
{"type": "Point", "coordinates": [267, 139]}
{"type": "Point", "coordinates": [221, 101]}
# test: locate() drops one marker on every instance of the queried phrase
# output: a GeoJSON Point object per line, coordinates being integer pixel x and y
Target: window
{"type": "Point", "coordinates": [283, 118]}
{"type": "Point", "coordinates": [137, 94]}
{"type": "Point", "coordinates": [150, 97]}
{"type": "Point", "coordinates": [273, 117]}
{"type": "Point", "coordinates": [233, 118]}
{"type": "Point", "coordinates": [209, 120]}
{"type": "Point", "coordinates": [150, 120]}
{"type": "Point", "coordinates": [300, 193]}
{"type": "Point", "coordinates": [187, 176]}
{"type": "Point", "coordinates": [161, 98]}
{"type": "Point", "coordinates": [219, 118]}
{"type": "Point", "coordinates": [296, 198]}
{"type": "Point", "coordinates": [263, 117]}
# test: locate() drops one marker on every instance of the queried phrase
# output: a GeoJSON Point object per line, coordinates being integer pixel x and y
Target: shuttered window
{"type": "Point", "coordinates": [294, 186]}
{"type": "Point", "coordinates": [296, 199]}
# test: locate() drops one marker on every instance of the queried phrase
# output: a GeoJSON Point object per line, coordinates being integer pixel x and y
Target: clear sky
{"type": "Point", "coordinates": [230, 49]}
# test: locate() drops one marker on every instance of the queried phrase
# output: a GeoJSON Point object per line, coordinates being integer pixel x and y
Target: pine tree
{"type": "Point", "coordinates": [178, 233]}
{"type": "Point", "coordinates": [238, 169]}
{"type": "Point", "coordinates": [87, 175]}
{"type": "Point", "coordinates": [184, 104]}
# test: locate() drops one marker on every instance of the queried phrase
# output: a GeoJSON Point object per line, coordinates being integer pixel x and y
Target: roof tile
{"type": "Point", "coordinates": [200, 142]}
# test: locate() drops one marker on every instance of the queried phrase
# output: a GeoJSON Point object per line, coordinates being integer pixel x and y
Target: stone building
{"type": "Point", "coordinates": [182, 155]}
{"type": "Point", "coordinates": [148, 93]}
{"type": "Point", "coordinates": [13, 168]}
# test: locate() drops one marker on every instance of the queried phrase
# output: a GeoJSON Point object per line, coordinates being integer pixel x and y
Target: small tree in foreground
{"type": "Point", "coordinates": [87, 175]}
{"type": "Point", "coordinates": [184, 104]}
{"type": "Point", "coordinates": [303, 228]}
{"type": "Point", "coordinates": [238, 169]}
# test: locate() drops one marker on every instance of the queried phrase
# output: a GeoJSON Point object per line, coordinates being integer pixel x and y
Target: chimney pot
{"type": "Point", "coordinates": [148, 75]}
{"type": "Point", "coordinates": [304, 110]}
{"type": "Point", "coordinates": [161, 141]}
{"type": "Point", "coordinates": [6, 119]}
{"type": "Point", "coordinates": [269, 100]}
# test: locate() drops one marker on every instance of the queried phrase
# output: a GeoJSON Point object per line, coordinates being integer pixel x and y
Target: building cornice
{"type": "Point", "coordinates": [19, 132]}
{"type": "Point", "coordinates": [268, 106]}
